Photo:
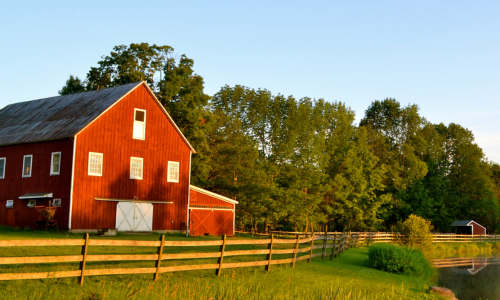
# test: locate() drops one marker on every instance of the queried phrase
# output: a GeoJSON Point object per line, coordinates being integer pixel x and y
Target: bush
{"type": "Point", "coordinates": [416, 232]}
{"type": "Point", "coordinates": [397, 259]}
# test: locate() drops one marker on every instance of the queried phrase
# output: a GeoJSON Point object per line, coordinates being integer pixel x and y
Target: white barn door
{"type": "Point", "coordinates": [134, 216]}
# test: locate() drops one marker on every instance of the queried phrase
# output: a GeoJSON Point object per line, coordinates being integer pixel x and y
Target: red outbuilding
{"type": "Point", "coordinates": [468, 227]}
{"type": "Point", "coordinates": [110, 158]}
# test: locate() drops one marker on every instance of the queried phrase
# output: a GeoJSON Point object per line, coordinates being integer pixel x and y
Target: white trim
{"type": "Point", "coordinates": [212, 209]}
{"type": "Point", "coordinates": [31, 165]}
{"type": "Point", "coordinates": [40, 196]}
{"type": "Point", "coordinates": [220, 197]}
{"type": "Point", "coordinates": [102, 164]}
{"type": "Point", "coordinates": [141, 123]}
{"type": "Point", "coordinates": [52, 163]}
{"type": "Point", "coordinates": [2, 176]}
{"type": "Point", "coordinates": [134, 200]}
{"type": "Point", "coordinates": [476, 224]}
{"type": "Point", "coordinates": [189, 194]}
{"type": "Point", "coordinates": [142, 167]}
{"type": "Point", "coordinates": [157, 102]}
{"type": "Point", "coordinates": [178, 171]}
{"type": "Point", "coordinates": [72, 183]}
{"type": "Point", "coordinates": [168, 116]}
{"type": "Point", "coordinates": [116, 102]}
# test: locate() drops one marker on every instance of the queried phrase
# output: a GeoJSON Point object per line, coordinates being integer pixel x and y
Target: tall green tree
{"type": "Point", "coordinates": [173, 81]}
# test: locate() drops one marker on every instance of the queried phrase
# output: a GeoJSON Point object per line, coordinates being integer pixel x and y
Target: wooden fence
{"type": "Point", "coordinates": [331, 245]}
{"type": "Point", "coordinates": [390, 237]}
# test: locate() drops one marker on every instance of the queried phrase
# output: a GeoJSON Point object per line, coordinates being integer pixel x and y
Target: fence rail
{"type": "Point", "coordinates": [378, 237]}
{"type": "Point", "coordinates": [331, 246]}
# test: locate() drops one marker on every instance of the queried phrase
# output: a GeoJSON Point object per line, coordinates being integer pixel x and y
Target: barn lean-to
{"type": "Point", "coordinates": [114, 158]}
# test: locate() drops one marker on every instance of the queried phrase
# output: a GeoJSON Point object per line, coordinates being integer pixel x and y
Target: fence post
{"type": "Point", "coordinates": [295, 252]}
{"type": "Point", "coordinates": [465, 236]}
{"type": "Point", "coordinates": [221, 258]}
{"type": "Point", "coordinates": [312, 246]}
{"type": "Point", "coordinates": [325, 240]}
{"type": "Point", "coordinates": [495, 237]}
{"type": "Point", "coordinates": [480, 238]}
{"type": "Point", "coordinates": [84, 256]}
{"type": "Point", "coordinates": [450, 238]}
{"type": "Point", "coordinates": [160, 256]}
{"type": "Point", "coordinates": [268, 267]}
{"type": "Point", "coordinates": [333, 247]}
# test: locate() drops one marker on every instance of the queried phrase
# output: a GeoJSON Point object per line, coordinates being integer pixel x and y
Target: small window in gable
{"type": "Point", "coordinates": [56, 202]}
{"type": "Point", "coordinates": [139, 124]}
{"type": "Point", "coordinates": [95, 164]}
{"type": "Point", "coordinates": [32, 203]}
{"type": "Point", "coordinates": [2, 167]}
{"type": "Point", "coordinates": [27, 165]}
{"type": "Point", "coordinates": [136, 166]}
{"type": "Point", "coordinates": [55, 164]}
{"type": "Point", "coordinates": [173, 171]}
{"type": "Point", "coordinates": [9, 204]}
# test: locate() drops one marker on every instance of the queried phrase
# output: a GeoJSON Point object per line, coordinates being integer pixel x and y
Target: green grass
{"type": "Point", "coordinates": [345, 277]}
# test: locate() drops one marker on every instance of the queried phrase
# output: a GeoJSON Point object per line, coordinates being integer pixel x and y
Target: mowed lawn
{"type": "Point", "coordinates": [344, 277]}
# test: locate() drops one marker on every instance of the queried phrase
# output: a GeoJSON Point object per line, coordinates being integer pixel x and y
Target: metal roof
{"type": "Point", "coordinates": [461, 223]}
{"type": "Point", "coordinates": [56, 117]}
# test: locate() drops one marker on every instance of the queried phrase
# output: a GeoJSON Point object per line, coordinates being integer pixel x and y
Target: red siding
{"type": "Point", "coordinates": [111, 134]}
{"type": "Point", "coordinates": [202, 199]}
{"type": "Point", "coordinates": [212, 222]}
{"type": "Point", "coordinates": [477, 229]}
{"type": "Point", "coordinates": [14, 185]}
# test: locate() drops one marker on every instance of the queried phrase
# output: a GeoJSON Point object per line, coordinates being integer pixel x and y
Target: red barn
{"type": "Point", "coordinates": [468, 227]}
{"type": "Point", "coordinates": [110, 158]}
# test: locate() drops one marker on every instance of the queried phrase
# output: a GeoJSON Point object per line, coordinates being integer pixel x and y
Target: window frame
{"type": "Point", "coordinates": [142, 168]}
{"type": "Point", "coordinates": [31, 165]}
{"type": "Point", "coordinates": [2, 175]}
{"type": "Point", "coordinates": [52, 163]}
{"type": "Point", "coordinates": [168, 171]}
{"type": "Point", "coordinates": [102, 164]}
{"type": "Point", "coordinates": [32, 205]}
{"type": "Point", "coordinates": [54, 201]}
{"type": "Point", "coordinates": [11, 204]}
{"type": "Point", "coordinates": [139, 122]}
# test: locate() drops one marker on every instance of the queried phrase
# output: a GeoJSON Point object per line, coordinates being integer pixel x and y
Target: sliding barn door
{"type": "Point", "coordinates": [134, 216]}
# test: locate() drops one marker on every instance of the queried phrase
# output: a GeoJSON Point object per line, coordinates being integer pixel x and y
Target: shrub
{"type": "Point", "coordinates": [397, 259]}
{"type": "Point", "coordinates": [416, 232]}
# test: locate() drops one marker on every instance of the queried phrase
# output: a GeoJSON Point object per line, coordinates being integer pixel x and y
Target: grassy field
{"type": "Point", "coordinates": [345, 277]}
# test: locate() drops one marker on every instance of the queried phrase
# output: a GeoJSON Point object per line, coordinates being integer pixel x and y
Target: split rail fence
{"type": "Point", "coordinates": [391, 237]}
{"type": "Point", "coordinates": [330, 245]}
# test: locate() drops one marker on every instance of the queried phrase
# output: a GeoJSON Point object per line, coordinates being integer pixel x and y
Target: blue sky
{"type": "Point", "coordinates": [441, 55]}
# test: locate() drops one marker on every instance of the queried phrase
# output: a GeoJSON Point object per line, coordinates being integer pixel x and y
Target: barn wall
{"type": "Point", "coordinates": [203, 199]}
{"type": "Point", "coordinates": [478, 229]}
{"type": "Point", "coordinates": [14, 185]}
{"type": "Point", "coordinates": [111, 134]}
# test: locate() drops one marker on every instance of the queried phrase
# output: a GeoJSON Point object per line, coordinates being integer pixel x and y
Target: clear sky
{"type": "Point", "coordinates": [441, 55]}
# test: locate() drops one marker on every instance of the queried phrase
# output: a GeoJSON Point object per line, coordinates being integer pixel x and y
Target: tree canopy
{"type": "Point", "coordinates": [296, 163]}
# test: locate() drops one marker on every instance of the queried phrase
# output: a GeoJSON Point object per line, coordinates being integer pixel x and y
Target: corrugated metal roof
{"type": "Point", "coordinates": [461, 223]}
{"type": "Point", "coordinates": [55, 117]}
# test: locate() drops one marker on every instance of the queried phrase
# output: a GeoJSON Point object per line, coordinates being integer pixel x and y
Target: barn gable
{"type": "Point", "coordinates": [96, 198]}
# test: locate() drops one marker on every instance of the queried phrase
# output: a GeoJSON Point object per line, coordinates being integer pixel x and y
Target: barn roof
{"type": "Point", "coordinates": [462, 223]}
{"type": "Point", "coordinates": [211, 194]}
{"type": "Point", "coordinates": [62, 117]}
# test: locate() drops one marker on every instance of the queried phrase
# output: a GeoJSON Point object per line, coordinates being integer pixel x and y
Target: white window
{"type": "Point", "coordinates": [136, 164]}
{"type": "Point", "coordinates": [56, 202]}
{"type": "Point", "coordinates": [139, 124]}
{"type": "Point", "coordinates": [2, 167]}
{"type": "Point", "coordinates": [55, 163]}
{"type": "Point", "coordinates": [173, 171]}
{"type": "Point", "coordinates": [9, 204]}
{"type": "Point", "coordinates": [27, 165]}
{"type": "Point", "coordinates": [95, 164]}
{"type": "Point", "coordinates": [32, 203]}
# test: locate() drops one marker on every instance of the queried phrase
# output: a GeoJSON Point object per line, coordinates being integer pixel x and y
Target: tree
{"type": "Point", "coordinates": [173, 81]}
{"type": "Point", "coordinates": [73, 85]}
